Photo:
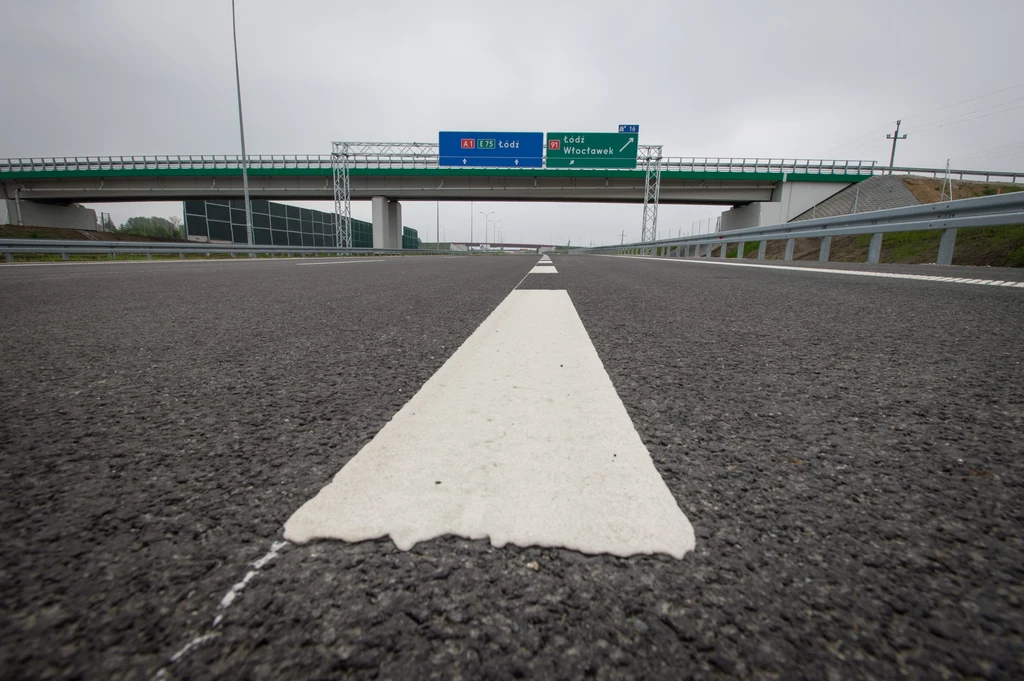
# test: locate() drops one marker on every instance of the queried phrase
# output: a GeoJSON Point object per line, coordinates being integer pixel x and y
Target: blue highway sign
{"type": "Point", "coordinates": [490, 149]}
{"type": "Point", "coordinates": [629, 128]}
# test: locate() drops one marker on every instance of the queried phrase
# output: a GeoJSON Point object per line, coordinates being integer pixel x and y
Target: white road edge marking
{"type": "Point", "coordinates": [856, 273]}
{"type": "Point", "coordinates": [225, 603]}
{"type": "Point", "coordinates": [538, 269]}
{"type": "Point", "coordinates": [519, 437]}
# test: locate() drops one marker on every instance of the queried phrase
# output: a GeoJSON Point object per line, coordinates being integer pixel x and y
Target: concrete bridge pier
{"type": "Point", "coordinates": [387, 223]}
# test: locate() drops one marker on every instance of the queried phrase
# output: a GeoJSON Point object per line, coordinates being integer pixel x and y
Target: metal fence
{"type": "Point", "coordinates": [112, 249]}
{"type": "Point", "coordinates": [948, 216]}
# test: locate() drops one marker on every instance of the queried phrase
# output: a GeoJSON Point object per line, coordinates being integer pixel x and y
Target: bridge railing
{"type": "Point", "coordinates": [948, 216]}
{"type": "Point", "coordinates": [398, 160]}
{"type": "Point", "coordinates": [427, 161]}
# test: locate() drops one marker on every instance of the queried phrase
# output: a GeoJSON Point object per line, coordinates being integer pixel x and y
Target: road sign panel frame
{"type": "Point", "coordinates": [591, 150]}
{"type": "Point", "coordinates": [462, 149]}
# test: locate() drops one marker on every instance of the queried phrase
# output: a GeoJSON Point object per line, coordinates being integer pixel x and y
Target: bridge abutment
{"type": "Point", "coordinates": [788, 200]}
{"type": "Point", "coordinates": [35, 214]}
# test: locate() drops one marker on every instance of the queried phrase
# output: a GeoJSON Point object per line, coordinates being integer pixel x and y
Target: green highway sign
{"type": "Point", "coordinates": [591, 150]}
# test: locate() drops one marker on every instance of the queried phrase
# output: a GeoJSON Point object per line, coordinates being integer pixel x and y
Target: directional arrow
{"type": "Point", "coordinates": [517, 161]}
{"type": "Point", "coordinates": [572, 161]}
{"type": "Point", "coordinates": [631, 140]}
{"type": "Point", "coordinates": [463, 161]}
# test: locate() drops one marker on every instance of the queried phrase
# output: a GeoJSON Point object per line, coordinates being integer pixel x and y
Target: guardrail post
{"type": "Point", "coordinates": [946, 245]}
{"type": "Point", "coordinates": [761, 249]}
{"type": "Point", "coordinates": [65, 257]}
{"type": "Point", "coordinates": [111, 254]}
{"type": "Point", "coordinates": [739, 249]}
{"type": "Point", "coordinates": [790, 243]}
{"type": "Point", "coordinates": [824, 248]}
{"type": "Point", "coordinates": [232, 255]}
{"type": "Point", "coordinates": [149, 255]}
{"type": "Point", "coordinates": [725, 251]}
{"type": "Point", "coordinates": [875, 249]}
{"type": "Point", "coordinates": [10, 256]}
{"type": "Point", "coordinates": [181, 254]}
{"type": "Point", "coordinates": [711, 247]}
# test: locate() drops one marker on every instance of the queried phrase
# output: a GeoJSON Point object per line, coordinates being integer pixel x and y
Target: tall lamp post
{"type": "Point", "coordinates": [241, 132]}
{"type": "Point", "coordinates": [486, 217]}
{"type": "Point", "coordinates": [495, 232]}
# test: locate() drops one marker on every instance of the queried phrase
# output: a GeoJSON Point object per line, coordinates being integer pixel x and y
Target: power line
{"type": "Point", "coordinates": [964, 101]}
{"type": "Point", "coordinates": [986, 108]}
{"type": "Point", "coordinates": [857, 139]}
{"type": "Point", "coordinates": [875, 131]}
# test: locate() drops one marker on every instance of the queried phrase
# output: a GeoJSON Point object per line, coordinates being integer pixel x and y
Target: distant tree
{"type": "Point", "coordinates": [152, 226]}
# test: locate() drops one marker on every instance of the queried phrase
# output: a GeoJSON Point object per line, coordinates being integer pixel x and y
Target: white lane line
{"type": "Point", "coordinates": [856, 273]}
{"type": "Point", "coordinates": [225, 603]}
{"type": "Point", "coordinates": [537, 269]}
{"type": "Point", "coordinates": [520, 437]}
{"type": "Point", "coordinates": [339, 262]}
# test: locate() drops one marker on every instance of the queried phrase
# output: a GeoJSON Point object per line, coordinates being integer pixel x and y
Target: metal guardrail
{"type": "Point", "coordinates": [948, 216]}
{"type": "Point", "coordinates": [67, 248]}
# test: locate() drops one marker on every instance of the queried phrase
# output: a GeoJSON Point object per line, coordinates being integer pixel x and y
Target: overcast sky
{"type": "Point", "coordinates": [808, 79]}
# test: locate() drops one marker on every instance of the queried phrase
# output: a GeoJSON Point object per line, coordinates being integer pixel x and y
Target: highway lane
{"type": "Point", "coordinates": [162, 420]}
{"type": "Point", "coordinates": [847, 449]}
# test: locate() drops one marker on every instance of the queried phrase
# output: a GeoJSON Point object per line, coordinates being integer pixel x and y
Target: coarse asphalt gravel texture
{"type": "Point", "coordinates": [848, 450]}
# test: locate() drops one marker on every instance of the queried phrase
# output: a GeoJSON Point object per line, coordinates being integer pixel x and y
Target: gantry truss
{"type": "Point", "coordinates": [650, 157]}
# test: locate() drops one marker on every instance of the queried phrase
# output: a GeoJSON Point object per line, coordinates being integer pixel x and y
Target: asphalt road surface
{"type": "Point", "coordinates": [848, 449]}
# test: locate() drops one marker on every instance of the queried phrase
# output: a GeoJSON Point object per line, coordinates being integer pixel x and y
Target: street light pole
{"type": "Point", "coordinates": [241, 132]}
{"type": "Point", "coordinates": [486, 217]}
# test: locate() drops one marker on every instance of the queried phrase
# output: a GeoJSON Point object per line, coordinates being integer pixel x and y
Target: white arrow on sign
{"type": "Point", "coordinates": [463, 161]}
{"type": "Point", "coordinates": [517, 161]}
{"type": "Point", "coordinates": [631, 140]}
{"type": "Point", "coordinates": [572, 161]}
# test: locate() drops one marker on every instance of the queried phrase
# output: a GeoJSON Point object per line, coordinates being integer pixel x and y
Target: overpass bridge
{"type": "Point", "coordinates": [405, 177]}
{"type": "Point", "coordinates": [388, 173]}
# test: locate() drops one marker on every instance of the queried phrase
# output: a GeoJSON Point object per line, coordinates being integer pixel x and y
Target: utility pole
{"type": "Point", "coordinates": [241, 132]}
{"type": "Point", "coordinates": [437, 225]}
{"type": "Point", "coordinates": [623, 237]}
{"type": "Point", "coordinates": [894, 137]}
{"type": "Point", "coordinates": [470, 224]}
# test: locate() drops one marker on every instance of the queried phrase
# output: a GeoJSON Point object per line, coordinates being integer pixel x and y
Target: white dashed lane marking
{"type": "Point", "coordinates": [544, 266]}
{"type": "Point", "coordinates": [519, 437]}
{"type": "Point", "coordinates": [855, 273]}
